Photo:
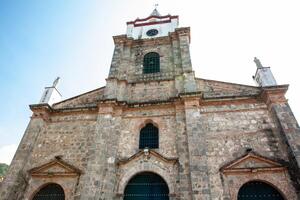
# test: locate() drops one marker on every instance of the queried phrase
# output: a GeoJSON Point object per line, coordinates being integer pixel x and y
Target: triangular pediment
{"type": "Point", "coordinates": [146, 154]}
{"type": "Point", "coordinates": [219, 89]}
{"type": "Point", "coordinates": [252, 162]}
{"type": "Point", "coordinates": [85, 100]}
{"type": "Point", "coordinates": [56, 167]}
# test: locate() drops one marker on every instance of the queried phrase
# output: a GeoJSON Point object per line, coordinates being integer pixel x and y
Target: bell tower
{"type": "Point", "coordinates": [154, 49]}
{"type": "Point", "coordinates": [153, 26]}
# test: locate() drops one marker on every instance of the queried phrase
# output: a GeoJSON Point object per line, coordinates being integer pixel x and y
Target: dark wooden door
{"type": "Point", "coordinates": [146, 186]}
{"type": "Point", "coordinates": [50, 192]}
{"type": "Point", "coordinates": [256, 190]}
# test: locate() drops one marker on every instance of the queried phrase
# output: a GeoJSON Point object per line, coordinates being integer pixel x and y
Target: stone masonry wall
{"type": "Point", "coordinates": [128, 55]}
{"type": "Point", "coordinates": [231, 129]}
{"type": "Point", "coordinates": [151, 91]}
{"type": "Point", "coordinates": [134, 120]}
{"type": "Point", "coordinates": [14, 183]}
{"type": "Point", "coordinates": [131, 67]}
{"type": "Point", "coordinates": [67, 136]}
{"type": "Point", "coordinates": [94, 142]}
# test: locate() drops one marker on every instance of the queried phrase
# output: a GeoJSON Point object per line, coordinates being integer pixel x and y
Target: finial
{"type": "Point", "coordinates": [155, 12]}
{"type": "Point", "coordinates": [55, 82]}
{"type": "Point", "coordinates": [258, 63]}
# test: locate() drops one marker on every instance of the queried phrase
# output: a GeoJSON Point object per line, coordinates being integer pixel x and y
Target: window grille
{"type": "Point", "coordinates": [151, 63]}
{"type": "Point", "coordinates": [149, 137]}
{"type": "Point", "coordinates": [50, 192]}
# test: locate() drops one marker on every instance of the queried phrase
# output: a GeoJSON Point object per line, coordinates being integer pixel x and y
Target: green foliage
{"type": "Point", "coordinates": [3, 169]}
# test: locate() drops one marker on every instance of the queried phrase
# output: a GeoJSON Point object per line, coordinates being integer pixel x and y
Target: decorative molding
{"type": "Point", "coordinates": [151, 16]}
{"type": "Point", "coordinates": [45, 169]}
{"type": "Point", "coordinates": [146, 154]}
{"type": "Point", "coordinates": [269, 165]}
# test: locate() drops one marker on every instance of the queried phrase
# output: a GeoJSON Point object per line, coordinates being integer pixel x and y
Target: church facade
{"type": "Point", "coordinates": [155, 131]}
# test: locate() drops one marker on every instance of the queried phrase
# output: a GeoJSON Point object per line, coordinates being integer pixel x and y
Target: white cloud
{"type": "Point", "coordinates": [7, 153]}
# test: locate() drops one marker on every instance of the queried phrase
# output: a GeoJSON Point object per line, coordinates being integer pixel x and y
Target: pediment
{"type": "Point", "coordinates": [146, 155]}
{"type": "Point", "coordinates": [85, 100]}
{"type": "Point", "coordinates": [219, 89]}
{"type": "Point", "coordinates": [252, 162]}
{"type": "Point", "coordinates": [56, 167]}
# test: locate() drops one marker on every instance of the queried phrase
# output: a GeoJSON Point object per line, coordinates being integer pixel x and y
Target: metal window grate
{"type": "Point", "coordinates": [256, 190]}
{"type": "Point", "coordinates": [149, 137]}
{"type": "Point", "coordinates": [151, 63]}
{"type": "Point", "coordinates": [50, 192]}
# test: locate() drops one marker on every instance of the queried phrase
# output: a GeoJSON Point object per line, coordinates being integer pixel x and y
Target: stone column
{"type": "Point", "coordinates": [15, 182]}
{"type": "Point", "coordinates": [185, 190]}
{"type": "Point", "coordinates": [100, 177]}
{"type": "Point", "coordinates": [277, 104]}
{"type": "Point", "coordinates": [197, 149]}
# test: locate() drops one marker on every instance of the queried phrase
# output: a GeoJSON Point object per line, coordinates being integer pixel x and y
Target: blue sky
{"type": "Point", "coordinates": [40, 40]}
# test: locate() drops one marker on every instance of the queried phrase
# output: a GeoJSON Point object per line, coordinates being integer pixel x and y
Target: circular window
{"type": "Point", "coordinates": [152, 32]}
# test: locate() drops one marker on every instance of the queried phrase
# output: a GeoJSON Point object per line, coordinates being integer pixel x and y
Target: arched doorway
{"type": "Point", "coordinates": [51, 191]}
{"type": "Point", "coordinates": [146, 186]}
{"type": "Point", "coordinates": [257, 190]}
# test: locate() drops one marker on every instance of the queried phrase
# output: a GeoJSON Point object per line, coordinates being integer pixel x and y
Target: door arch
{"type": "Point", "coordinates": [146, 186]}
{"type": "Point", "coordinates": [257, 190]}
{"type": "Point", "coordinates": [50, 191]}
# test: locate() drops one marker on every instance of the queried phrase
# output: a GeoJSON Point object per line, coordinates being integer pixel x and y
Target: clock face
{"type": "Point", "coordinates": [152, 32]}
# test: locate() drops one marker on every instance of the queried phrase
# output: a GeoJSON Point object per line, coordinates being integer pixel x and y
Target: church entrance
{"type": "Point", "coordinates": [50, 192]}
{"type": "Point", "coordinates": [146, 186]}
{"type": "Point", "coordinates": [256, 190]}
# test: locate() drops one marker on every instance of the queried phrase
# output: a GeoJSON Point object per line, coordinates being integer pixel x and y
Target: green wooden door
{"type": "Point", "coordinates": [146, 186]}
{"type": "Point", "coordinates": [256, 190]}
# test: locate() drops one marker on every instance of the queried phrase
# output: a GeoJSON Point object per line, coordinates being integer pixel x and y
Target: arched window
{"type": "Point", "coordinates": [256, 190]}
{"type": "Point", "coordinates": [149, 137]}
{"type": "Point", "coordinates": [146, 186]}
{"type": "Point", "coordinates": [50, 192]}
{"type": "Point", "coordinates": [151, 63]}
